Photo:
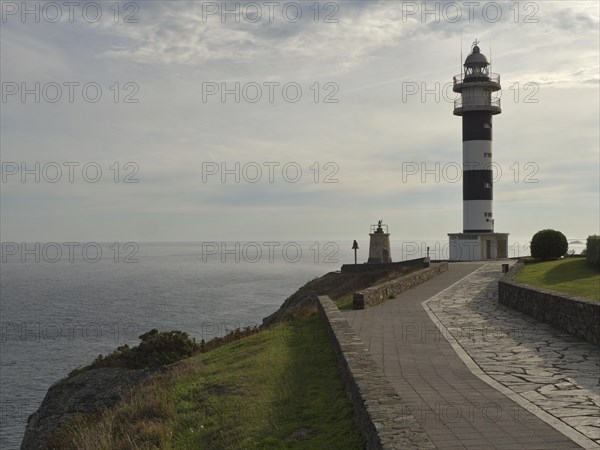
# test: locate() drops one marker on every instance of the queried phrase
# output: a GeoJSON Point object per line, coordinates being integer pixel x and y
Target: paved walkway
{"type": "Point", "coordinates": [554, 373]}
{"type": "Point", "coordinates": [456, 408]}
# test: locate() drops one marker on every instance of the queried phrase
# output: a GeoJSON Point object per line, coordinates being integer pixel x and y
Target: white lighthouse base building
{"type": "Point", "coordinates": [478, 246]}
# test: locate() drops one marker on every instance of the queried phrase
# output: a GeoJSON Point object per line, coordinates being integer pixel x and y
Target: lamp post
{"type": "Point", "coordinates": [355, 247]}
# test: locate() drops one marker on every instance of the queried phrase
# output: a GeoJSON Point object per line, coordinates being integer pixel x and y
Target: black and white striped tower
{"type": "Point", "coordinates": [476, 107]}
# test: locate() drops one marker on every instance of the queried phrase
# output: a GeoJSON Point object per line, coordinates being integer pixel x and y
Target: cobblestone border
{"type": "Point", "coordinates": [575, 315]}
{"type": "Point", "coordinates": [379, 415]}
{"type": "Point", "coordinates": [377, 294]}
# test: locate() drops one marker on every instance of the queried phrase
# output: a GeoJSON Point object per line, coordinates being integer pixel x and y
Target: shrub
{"type": "Point", "coordinates": [549, 244]}
{"type": "Point", "coordinates": [592, 250]}
{"type": "Point", "coordinates": [157, 348]}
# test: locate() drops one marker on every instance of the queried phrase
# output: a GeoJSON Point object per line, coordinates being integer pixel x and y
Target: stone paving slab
{"type": "Point", "coordinates": [454, 406]}
{"type": "Point", "coordinates": [553, 371]}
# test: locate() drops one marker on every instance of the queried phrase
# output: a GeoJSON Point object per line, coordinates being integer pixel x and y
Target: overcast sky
{"type": "Point", "coordinates": [374, 58]}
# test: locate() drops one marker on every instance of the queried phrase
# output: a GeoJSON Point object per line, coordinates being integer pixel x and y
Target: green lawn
{"type": "Point", "coordinates": [278, 389]}
{"type": "Point", "coordinates": [570, 275]}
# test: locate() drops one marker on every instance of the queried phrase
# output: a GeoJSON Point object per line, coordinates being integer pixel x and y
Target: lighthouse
{"type": "Point", "coordinates": [379, 246]}
{"type": "Point", "coordinates": [476, 106]}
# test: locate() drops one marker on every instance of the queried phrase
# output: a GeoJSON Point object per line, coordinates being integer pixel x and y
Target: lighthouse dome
{"type": "Point", "coordinates": [476, 58]}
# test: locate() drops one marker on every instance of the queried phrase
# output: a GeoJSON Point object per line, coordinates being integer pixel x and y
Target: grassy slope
{"type": "Point", "coordinates": [261, 392]}
{"type": "Point", "coordinates": [570, 275]}
{"type": "Point", "coordinates": [278, 389]}
{"type": "Point", "coordinates": [334, 284]}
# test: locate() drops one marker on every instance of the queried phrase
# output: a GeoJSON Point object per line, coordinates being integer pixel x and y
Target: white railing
{"type": "Point", "coordinates": [461, 77]}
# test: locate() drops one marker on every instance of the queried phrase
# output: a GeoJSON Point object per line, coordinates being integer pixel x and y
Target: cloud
{"type": "Point", "coordinates": [371, 53]}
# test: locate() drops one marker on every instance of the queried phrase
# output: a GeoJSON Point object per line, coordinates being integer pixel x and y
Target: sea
{"type": "Point", "coordinates": [62, 304]}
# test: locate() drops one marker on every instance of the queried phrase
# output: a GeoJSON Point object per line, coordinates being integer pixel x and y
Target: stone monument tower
{"type": "Point", "coordinates": [379, 247]}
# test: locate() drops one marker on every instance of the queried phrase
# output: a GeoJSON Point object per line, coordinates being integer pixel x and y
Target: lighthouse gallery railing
{"type": "Point", "coordinates": [476, 101]}
{"type": "Point", "coordinates": [461, 78]}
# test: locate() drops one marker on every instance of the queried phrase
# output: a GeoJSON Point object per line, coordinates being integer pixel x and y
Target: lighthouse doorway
{"type": "Point", "coordinates": [502, 248]}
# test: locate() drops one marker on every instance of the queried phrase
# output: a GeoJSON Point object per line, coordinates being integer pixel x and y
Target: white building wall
{"type": "Point", "coordinates": [465, 249]}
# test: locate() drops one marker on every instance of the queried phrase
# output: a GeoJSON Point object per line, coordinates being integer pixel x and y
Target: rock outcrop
{"type": "Point", "coordinates": [87, 392]}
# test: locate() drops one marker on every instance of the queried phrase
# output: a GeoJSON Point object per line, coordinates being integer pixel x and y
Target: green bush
{"type": "Point", "coordinates": [592, 250]}
{"type": "Point", "coordinates": [157, 348]}
{"type": "Point", "coordinates": [549, 244]}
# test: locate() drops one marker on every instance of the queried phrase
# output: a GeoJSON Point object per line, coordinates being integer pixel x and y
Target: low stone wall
{"type": "Point", "coordinates": [380, 293]}
{"type": "Point", "coordinates": [382, 420]}
{"type": "Point", "coordinates": [576, 315]}
{"type": "Point", "coordinates": [366, 267]}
